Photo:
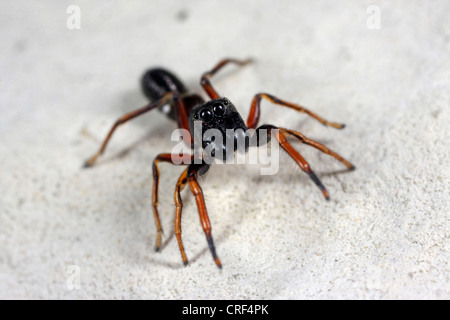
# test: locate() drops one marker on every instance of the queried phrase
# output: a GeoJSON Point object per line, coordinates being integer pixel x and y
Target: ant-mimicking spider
{"type": "Point", "coordinates": [165, 89]}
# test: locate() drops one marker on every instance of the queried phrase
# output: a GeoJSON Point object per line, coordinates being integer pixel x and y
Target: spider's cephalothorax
{"type": "Point", "coordinates": [219, 117]}
{"type": "Point", "coordinates": [216, 125]}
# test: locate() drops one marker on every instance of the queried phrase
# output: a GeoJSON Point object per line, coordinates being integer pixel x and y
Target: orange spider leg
{"type": "Point", "coordinates": [255, 111]}
{"type": "Point", "coordinates": [167, 98]}
{"type": "Point", "coordinates": [301, 162]}
{"type": "Point", "coordinates": [204, 219]}
{"type": "Point", "coordinates": [206, 84]}
{"type": "Point", "coordinates": [190, 176]}
{"type": "Point", "coordinates": [318, 146]}
{"type": "Point", "coordinates": [181, 183]}
{"type": "Point", "coordinates": [163, 157]}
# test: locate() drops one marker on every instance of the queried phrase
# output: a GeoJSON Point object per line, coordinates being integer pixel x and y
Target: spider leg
{"type": "Point", "coordinates": [206, 84]}
{"type": "Point", "coordinates": [190, 176]}
{"type": "Point", "coordinates": [163, 157]}
{"type": "Point", "coordinates": [255, 111]}
{"type": "Point", "coordinates": [167, 98]}
{"type": "Point", "coordinates": [301, 162]}
{"type": "Point", "coordinates": [181, 183]}
{"type": "Point", "coordinates": [204, 219]}
{"type": "Point", "coordinates": [318, 146]}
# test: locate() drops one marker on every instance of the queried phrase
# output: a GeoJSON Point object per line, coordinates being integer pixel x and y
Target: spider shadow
{"type": "Point", "coordinates": [153, 134]}
{"type": "Point", "coordinates": [176, 264]}
{"type": "Point", "coordinates": [334, 172]}
{"type": "Point", "coordinates": [125, 151]}
{"type": "Point", "coordinates": [156, 122]}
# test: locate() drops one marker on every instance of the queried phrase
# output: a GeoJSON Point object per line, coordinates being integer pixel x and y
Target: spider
{"type": "Point", "coordinates": [168, 93]}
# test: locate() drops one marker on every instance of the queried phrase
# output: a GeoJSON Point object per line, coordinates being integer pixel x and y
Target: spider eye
{"type": "Point", "coordinates": [206, 115]}
{"type": "Point", "coordinates": [219, 109]}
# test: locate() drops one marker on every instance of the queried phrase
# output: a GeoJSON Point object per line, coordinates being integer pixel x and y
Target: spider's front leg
{"type": "Point", "coordinates": [206, 84]}
{"type": "Point", "coordinates": [281, 137]}
{"type": "Point", "coordinates": [255, 111]}
{"type": "Point", "coordinates": [163, 157]}
{"type": "Point", "coordinates": [300, 137]}
{"type": "Point", "coordinates": [189, 176]}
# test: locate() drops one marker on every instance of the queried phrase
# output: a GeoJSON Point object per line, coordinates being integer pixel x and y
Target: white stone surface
{"type": "Point", "coordinates": [383, 235]}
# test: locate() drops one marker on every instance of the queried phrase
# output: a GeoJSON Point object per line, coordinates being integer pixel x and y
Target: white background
{"type": "Point", "coordinates": [72, 233]}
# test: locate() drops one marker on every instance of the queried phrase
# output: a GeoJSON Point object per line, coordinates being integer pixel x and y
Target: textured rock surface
{"type": "Point", "coordinates": [384, 234]}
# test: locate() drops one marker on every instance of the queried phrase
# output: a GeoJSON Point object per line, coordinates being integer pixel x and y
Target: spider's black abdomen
{"type": "Point", "coordinates": [157, 82]}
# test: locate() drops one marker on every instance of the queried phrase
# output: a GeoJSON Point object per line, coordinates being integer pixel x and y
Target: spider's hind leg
{"type": "Point", "coordinates": [170, 97]}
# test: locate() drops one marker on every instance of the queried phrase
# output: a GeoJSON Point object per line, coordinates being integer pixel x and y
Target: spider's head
{"type": "Point", "coordinates": [217, 114]}
{"type": "Point", "coordinates": [216, 117]}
